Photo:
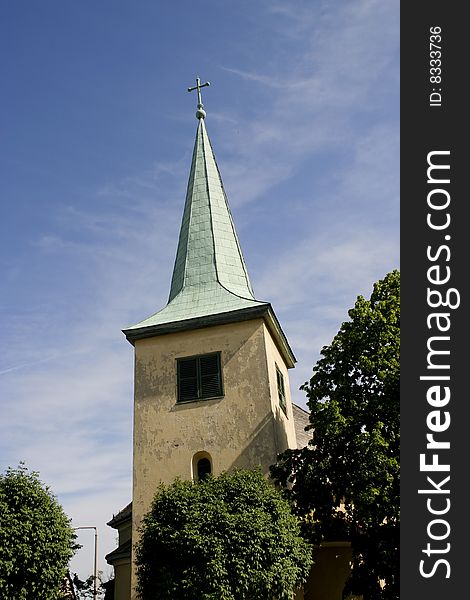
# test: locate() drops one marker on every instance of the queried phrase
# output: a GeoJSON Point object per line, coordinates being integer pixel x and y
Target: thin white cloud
{"type": "Point", "coordinates": [265, 80]}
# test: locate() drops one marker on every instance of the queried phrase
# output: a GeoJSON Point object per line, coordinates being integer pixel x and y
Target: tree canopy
{"type": "Point", "coordinates": [36, 539]}
{"type": "Point", "coordinates": [86, 589]}
{"type": "Point", "coordinates": [231, 537]}
{"type": "Point", "coordinates": [345, 484]}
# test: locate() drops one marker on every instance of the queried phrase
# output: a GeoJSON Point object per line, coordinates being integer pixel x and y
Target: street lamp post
{"type": "Point", "coordinates": [95, 562]}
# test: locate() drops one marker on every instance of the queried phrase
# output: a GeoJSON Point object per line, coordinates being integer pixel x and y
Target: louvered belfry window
{"type": "Point", "coordinates": [281, 390]}
{"type": "Point", "coordinates": [199, 377]}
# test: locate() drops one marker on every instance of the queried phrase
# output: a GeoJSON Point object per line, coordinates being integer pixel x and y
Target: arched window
{"type": "Point", "coordinates": [203, 468]}
{"type": "Point", "coordinates": [201, 465]}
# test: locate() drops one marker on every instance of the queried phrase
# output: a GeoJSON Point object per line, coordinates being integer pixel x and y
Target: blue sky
{"type": "Point", "coordinates": [97, 130]}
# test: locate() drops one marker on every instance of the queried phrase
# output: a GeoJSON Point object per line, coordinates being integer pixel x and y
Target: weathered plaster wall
{"type": "Point", "coordinates": [246, 428]}
{"type": "Point", "coordinates": [284, 425]}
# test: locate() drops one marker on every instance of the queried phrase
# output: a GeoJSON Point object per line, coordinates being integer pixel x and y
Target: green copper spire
{"type": "Point", "coordinates": [210, 283]}
{"type": "Point", "coordinates": [209, 276]}
{"type": "Point", "coordinates": [208, 248]}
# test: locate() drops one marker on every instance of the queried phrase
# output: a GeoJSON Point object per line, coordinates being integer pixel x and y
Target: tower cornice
{"type": "Point", "coordinates": [262, 310]}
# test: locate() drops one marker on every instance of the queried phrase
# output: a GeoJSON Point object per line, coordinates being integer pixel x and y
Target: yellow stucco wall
{"type": "Point", "coordinates": [329, 573]}
{"type": "Point", "coordinates": [122, 583]}
{"type": "Point", "coordinates": [124, 532]}
{"type": "Point", "coordinates": [122, 567]}
{"type": "Point", "coordinates": [246, 428]}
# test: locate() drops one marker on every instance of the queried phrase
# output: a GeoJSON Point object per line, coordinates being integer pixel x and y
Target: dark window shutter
{"type": "Point", "coordinates": [187, 379]}
{"type": "Point", "coordinates": [199, 377]}
{"type": "Point", "coordinates": [281, 392]}
{"type": "Point", "coordinates": [210, 376]}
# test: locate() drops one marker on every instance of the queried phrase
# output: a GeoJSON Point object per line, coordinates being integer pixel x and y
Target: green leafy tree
{"type": "Point", "coordinates": [233, 537]}
{"type": "Point", "coordinates": [86, 589]}
{"type": "Point", "coordinates": [345, 484]}
{"type": "Point", "coordinates": [36, 539]}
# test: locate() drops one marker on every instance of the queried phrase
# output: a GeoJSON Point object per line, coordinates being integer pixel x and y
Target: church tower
{"type": "Point", "coordinates": [211, 368]}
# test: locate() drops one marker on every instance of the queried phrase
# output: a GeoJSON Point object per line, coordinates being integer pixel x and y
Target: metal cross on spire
{"type": "Point", "coordinates": [200, 113]}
